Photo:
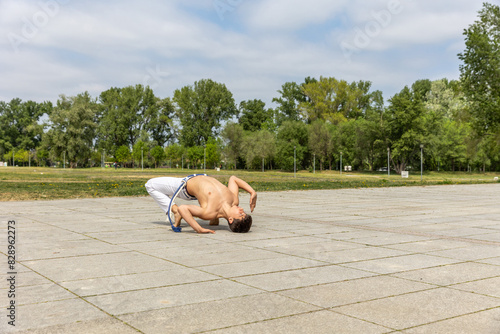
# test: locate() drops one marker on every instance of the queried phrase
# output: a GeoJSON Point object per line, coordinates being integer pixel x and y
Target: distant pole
{"type": "Point", "coordinates": [314, 164]}
{"type": "Point", "coordinates": [204, 158]}
{"type": "Point", "coordinates": [13, 165]}
{"type": "Point", "coordinates": [340, 163]}
{"type": "Point", "coordinates": [64, 160]}
{"type": "Point", "coordinates": [29, 158]}
{"type": "Point", "coordinates": [421, 162]}
{"type": "Point", "coordinates": [388, 162]}
{"type": "Point", "coordinates": [182, 162]}
{"type": "Point", "coordinates": [142, 158]}
{"type": "Point", "coordinates": [294, 161]}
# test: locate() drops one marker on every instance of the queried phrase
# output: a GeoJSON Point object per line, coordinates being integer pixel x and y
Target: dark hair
{"type": "Point", "coordinates": [241, 225]}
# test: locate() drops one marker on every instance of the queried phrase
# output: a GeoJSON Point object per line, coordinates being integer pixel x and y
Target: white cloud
{"type": "Point", "coordinates": [256, 47]}
{"type": "Point", "coordinates": [289, 14]}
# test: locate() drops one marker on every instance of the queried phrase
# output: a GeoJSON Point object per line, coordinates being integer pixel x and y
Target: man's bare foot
{"type": "Point", "coordinates": [177, 215]}
{"type": "Point", "coordinates": [214, 222]}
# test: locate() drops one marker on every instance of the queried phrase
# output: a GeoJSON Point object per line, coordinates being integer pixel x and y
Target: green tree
{"type": "Point", "coordinates": [321, 142]}
{"type": "Point", "coordinates": [195, 155]}
{"type": "Point", "coordinates": [201, 109]}
{"type": "Point", "coordinates": [232, 136]}
{"type": "Point", "coordinates": [288, 103]}
{"type": "Point", "coordinates": [175, 152]}
{"type": "Point", "coordinates": [257, 147]}
{"type": "Point", "coordinates": [20, 125]}
{"type": "Point", "coordinates": [125, 113]}
{"type": "Point", "coordinates": [254, 115]}
{"type": "Point", "coordinates": [212, 153]}
{"type": "Point", "coordinates": [158, 154]}
{"type": "Point", "coordinates": [140, 152]}
{"type": "Point", "coordinates": [480, 71]}
{"type": "Point", "coordinates": [159, 122]}
{"type": "Point", "coordinates": [404, 127]}
{"type": "Point", "coordinates": [123, 154]}
{"type": "Point", "coordinates": [291, 135]}
{"type": "Point", "coordinates": [72, 130]}
{"type": "Point", "coordinates": [336, 101]}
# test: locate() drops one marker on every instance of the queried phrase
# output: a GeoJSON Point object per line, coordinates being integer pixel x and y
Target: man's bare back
{"type": "Point", "coordinates": [216, 201]}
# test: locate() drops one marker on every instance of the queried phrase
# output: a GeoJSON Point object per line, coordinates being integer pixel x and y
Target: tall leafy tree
{"type": "Point", "coordinates": [20, 126]}
{"type": "Point", "coordinates": [404, 127]}
{"type": "Point", "coordinates": [292, 135]}
{"type": "Point", "coordinates": [232, 136]}
{"type": "Point", "coordinates": [72, 129]}
{"type": "Point", "coordinates": [253, 115]}
{"type": "Point", "coordinates": [258, 147]}
{"type": "Point", "coordinates": [336, 100]}
{"type": "Point", "coordinates": [321, 142]}
{"type": "Point", "coordinates": [480, 71]}
{"type": "Point", "coordinates": [126, 112]}
{"type": "Point", "coordinates": [201, 109]}
{"type": "Point", "coordinates": [289, 102]}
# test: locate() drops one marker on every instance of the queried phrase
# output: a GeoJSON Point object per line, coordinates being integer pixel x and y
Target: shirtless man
{"type": "Point", "coordinates": [216, 200]}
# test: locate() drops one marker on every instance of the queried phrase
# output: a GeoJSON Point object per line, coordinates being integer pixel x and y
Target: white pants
{"type": "Point", "coordinates": [163, 188]}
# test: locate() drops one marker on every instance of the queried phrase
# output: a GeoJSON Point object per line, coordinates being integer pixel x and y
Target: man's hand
{"type": "Point", "coordinates": [253, 201]}
{"type": "Point", "coordinates": [205, 230]}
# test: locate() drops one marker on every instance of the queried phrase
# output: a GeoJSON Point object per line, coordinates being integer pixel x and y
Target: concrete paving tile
{"type": "Point", "coordinates": [178, 245]}
{"type": "Point", "coordinates": [36, 294]}
{"type": "Point", "coordinates": [297, 240]}
{"type": "Point", "coordinates": [494, 260]}
{"type": "Point", "coordinates": [418, 308]}
{"type": "Point", "coordinates": [66, 248]}
{"type": "Point", "coordinates": [400, 263]}
{"type": "Point", "coordinates": [452, 273]}
{"type": "Point", "coordinates": [429, 245]}
{"type": "Point", "coordinates": [315, 322]}
{"type": "Point", "coordinates": [355, 291]}
{"type": "Point", "coordinates": [281, 263]}
{"type": "Point", "coordinates": [121, 283]}
{"type": "Point", "coordinates": [472, 252]}
{"type": "Point", "coordinates": [106, 325]}
{"type": "Point", "coordinates": [92, 266]}
{"type": "Point", "coordinates": [25, 278]}
{"type": "Point", "coordinates": [220, 258]}
{"type": "Point", "coordinates": [124, 237]}
{"type": "Point", "coordinates": [358, 254]}
{"type": "Point", "coordinates": [157, 298]}
{"type": "Point", "coordinates": [52, 314]}
{"type": "Point", "coordinates": [214, 247]}
{"type": "Point", "coordinates": [301, 278]}
{"type": "Point", "coordinates": [316, 249]}
{"type": "Point", "coordinates": [101, 225]}
{"type": "Point", "coordinates": [216, 314]}
{"type": "Point", "coordinates": [485, 322]}
{"type": "Point", "coordinates": [489, 287]}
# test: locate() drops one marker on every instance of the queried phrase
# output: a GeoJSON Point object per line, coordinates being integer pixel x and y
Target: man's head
{"type": "Point", "coordinates": [238, 220]}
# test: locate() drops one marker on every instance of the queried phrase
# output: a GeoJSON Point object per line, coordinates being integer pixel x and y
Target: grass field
{"type": "Point", "coordinates": [35, 183]}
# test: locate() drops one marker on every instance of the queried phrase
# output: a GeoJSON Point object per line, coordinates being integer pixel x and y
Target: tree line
{"type": "Point", "coordinates": [455, 124]}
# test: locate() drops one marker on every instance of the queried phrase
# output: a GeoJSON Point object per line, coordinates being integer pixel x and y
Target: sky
{"type": "Point", "coordinates": [54, 47]}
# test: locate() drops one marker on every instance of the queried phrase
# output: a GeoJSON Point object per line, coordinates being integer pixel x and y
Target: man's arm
{"type": "Point", "coordinates": [236, 183]}
{"type": "Point", "coordinates": [188, 212]}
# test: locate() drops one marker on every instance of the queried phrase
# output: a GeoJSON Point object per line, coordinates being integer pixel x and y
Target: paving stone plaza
{"type": "Point", "coordinates": [381, 260]}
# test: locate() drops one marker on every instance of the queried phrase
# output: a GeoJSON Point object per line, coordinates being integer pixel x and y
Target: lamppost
{"type": "Point", "coordinates": [388, 162]}
{"type": "Point", "coordinates": [341, 163]}
{"type": "Point", "coordinates": [314, 164]}
{"type": "Point", "coordinates": [294, 161]}
{"type": "Point", "coordinates": [421, 162]}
